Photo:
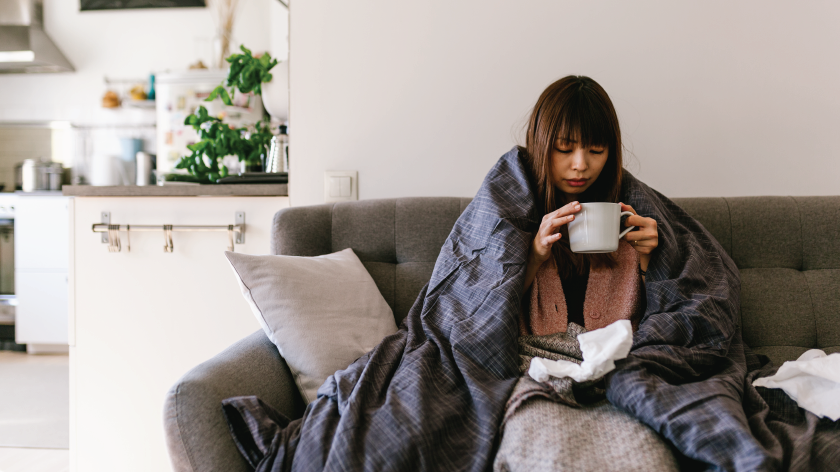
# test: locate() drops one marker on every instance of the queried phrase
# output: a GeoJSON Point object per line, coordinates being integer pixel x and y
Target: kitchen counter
{"type": "Point", "coordinates": [141, 317]}
{"type": "Point", "coordinates": [229, 190]}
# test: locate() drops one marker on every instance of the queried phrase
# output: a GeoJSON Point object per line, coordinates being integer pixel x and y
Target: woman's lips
{"type": "Point", "coordinates": [576, 182]}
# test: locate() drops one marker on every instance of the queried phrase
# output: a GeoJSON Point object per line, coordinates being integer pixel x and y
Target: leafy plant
{"type": "Point", "coordinates": [247, 73]}
{"type": "Point", "coordinates": [217, 140]}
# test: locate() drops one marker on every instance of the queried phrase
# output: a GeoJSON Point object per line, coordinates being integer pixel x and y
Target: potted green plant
{"type": "Point", "coordinates": [216, 138]}
{"type": "Point", "coordinates": [247, 73]}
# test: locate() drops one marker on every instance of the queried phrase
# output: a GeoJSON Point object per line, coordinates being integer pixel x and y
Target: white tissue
{"type": "Point", "coordinates": [600, 349]}
{"type": "Point", "coordinates": [812, 381]}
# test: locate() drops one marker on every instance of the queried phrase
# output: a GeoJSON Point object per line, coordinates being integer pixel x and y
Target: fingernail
{"type": "Point", "coordinates": [577, 207]}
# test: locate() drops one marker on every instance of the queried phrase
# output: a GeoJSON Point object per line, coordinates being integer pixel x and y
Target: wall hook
{"type": "Point", "coordinates": [167, 239]}
{"type": "Point", "coordinates": [114, 238]}
{"type": "Point", "coordinates": [230, 238]}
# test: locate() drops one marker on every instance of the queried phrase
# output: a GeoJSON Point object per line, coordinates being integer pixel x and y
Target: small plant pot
{"type": "Point", "coordinates": [252, 166]}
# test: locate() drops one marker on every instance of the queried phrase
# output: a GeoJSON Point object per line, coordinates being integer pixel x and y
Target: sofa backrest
{"type": "Point", "coordinates": [788, 252]}
{"type": "Point", "coordinates": [398, 240]}
{"type": "Point", "coordinates": [787, 248]}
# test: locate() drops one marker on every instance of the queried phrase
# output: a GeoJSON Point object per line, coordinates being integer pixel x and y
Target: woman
{"type": "Point", "coordinates": [573, 151]}
{"type": "Point", "coordinates": [685, 376]}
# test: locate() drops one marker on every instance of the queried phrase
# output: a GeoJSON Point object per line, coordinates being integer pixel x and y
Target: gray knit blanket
{"type": "Point", "coordinates": [564, 425]}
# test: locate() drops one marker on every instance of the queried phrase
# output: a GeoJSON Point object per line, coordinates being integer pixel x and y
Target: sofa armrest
{"type": "Point", "coordinates": [197, 435]}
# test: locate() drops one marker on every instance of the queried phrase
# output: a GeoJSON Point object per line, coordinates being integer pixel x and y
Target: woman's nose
{"type": "Point", "coordinates": [579, 160]}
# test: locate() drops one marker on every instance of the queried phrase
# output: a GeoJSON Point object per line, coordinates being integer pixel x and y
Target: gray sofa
{"type": "Point", "coordinates": [787, 249]}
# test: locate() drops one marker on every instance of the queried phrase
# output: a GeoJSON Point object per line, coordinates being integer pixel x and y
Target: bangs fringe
{"type": "Point", "coordinates": [582, 121]}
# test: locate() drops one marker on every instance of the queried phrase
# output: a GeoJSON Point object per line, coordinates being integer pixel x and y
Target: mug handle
{"type": "Point", "coordinates": [628, 213]}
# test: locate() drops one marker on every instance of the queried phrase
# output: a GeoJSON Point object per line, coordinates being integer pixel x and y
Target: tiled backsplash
{"type": "Point", "coordinates": [17, 144]}
{"type": "Point", "coordinates": [95, 143]}
{"type": "Point", "coordinates": [75, 146]}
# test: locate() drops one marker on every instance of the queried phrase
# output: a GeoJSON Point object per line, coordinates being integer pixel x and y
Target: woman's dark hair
{"type": "Point", "coordinates": [574, 108]}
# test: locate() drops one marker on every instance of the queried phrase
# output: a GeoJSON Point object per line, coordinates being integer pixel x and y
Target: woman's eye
{"type": "Point", "coordinates": [564, 151]}
{"type": "Point", "coordinates": [596, 151]}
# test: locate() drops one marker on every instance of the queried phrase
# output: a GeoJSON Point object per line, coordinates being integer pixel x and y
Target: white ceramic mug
{"type": "Point", "coordinates": [595, 228]}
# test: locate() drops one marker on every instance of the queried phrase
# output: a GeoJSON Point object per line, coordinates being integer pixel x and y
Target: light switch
{"type": "Point", "coordinates": [341, 185]}
{"type": "Point", "coordinates": [335, 186]}
{"type": "Point", "coordinates": [344, 187]}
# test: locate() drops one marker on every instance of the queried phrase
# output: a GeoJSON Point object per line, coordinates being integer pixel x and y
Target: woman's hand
{"type": "Point", "coordinates": [644, 239]}
{"type": "Point", "coordinates": [547, 235]}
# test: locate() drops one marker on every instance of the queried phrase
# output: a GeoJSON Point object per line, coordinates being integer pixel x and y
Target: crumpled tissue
{"type": "Point", "coordinates": [600, 349]}
{"type": "Point", "coordinates": [812, 381]}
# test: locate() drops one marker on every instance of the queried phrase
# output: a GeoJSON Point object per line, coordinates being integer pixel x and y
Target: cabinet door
{"type": "Point", "coordinates": [42, 232]}
{"type": "Point", "coordinates": [41, 316]}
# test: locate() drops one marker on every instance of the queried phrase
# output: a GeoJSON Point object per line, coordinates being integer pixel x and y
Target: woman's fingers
{"type": "Point", "coordinates": [542, 244]}
{"type": "Point", "coordinates": [549, 232]}
{"type": "Point", "coordinates": [553, 224]}
{"type": "Point", "coordinates": [644, 246]}
{"type": "Point", "coordinates": [551, 239]}
{"type": "Point", "coordinates": [644, 239]}
{"type": "Point", "coordinates": [639, 221]}
{"type": "Point", "coordinates": [565, 210]}
{"type": "Point", "coordinates": [554, 220]}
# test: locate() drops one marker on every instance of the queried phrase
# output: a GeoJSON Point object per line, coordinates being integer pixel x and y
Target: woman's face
{"type": "Point", "coordinates": [574, 168]}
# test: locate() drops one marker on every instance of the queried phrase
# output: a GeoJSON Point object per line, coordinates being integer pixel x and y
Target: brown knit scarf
{"type": "Point", "coordinates": [611, 295]}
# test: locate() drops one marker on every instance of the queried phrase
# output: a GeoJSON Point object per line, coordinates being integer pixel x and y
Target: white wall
{"type": "Point", "coordinates": [714, 98]}
{"type": "Point", "coordinates": [126, 44]}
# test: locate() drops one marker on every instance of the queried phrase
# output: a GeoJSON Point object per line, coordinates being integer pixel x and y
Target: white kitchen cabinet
{"type": "Point", "coordinates": [42, 308]}
{"type": "Point", "coordinates": [42, 254]}
{"type": "Point", "coordinates": [42, 232]}
{"type": "Point", "coordinates": [139, 320]}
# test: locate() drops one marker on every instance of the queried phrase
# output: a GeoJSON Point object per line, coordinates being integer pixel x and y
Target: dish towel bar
{"type": "Point", "coordinates": [236, 232]}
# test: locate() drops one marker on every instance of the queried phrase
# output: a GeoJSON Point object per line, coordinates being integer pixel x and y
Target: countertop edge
{"type": "Point", "coordinates": [218, 190]}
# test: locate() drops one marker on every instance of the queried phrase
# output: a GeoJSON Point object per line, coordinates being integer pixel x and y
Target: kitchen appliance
{"type": "Point", "coordinates": [128, 165]}
{"type": "Point", "coordinates": [145, 165]}
{"type": "Point", "coordinates": [25, 47]}
{"type": "Point", "coordinates": [8, 299]}
{"type": "Point", "coordinates": [40, 175]}
{"type": "Point", "coordinates": [278, 154]}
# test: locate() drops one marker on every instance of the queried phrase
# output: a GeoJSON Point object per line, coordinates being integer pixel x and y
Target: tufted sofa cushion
{"type": "Point", "coordinates": [787, 249]}
{"type": "Point", "coordinates": [788, 252]}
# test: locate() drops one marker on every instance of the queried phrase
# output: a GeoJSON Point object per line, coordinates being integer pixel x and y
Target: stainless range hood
{"type": "Point", "coordinates": [24, 47]}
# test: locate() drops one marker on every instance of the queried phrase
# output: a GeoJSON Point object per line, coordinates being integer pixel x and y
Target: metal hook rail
{"type": "Point", "coordinates": [103, 228]}
{"type": "Point", "coordinates": [236, 232]}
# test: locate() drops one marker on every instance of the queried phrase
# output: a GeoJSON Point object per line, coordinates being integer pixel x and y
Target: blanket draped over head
{"type": "Point", "coordinates": [432, 395]}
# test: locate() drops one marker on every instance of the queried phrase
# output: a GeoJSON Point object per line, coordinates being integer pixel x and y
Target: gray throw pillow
{"type": "Point", "coordinates": [321, 312]}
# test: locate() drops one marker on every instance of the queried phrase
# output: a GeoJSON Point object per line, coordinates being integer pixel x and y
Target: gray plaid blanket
{"type": "Point", "coordinates": [432, 396]}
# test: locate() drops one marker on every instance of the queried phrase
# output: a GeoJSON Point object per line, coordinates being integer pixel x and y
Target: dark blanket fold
{"type": "Point", "coordinates": [432, 396]}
